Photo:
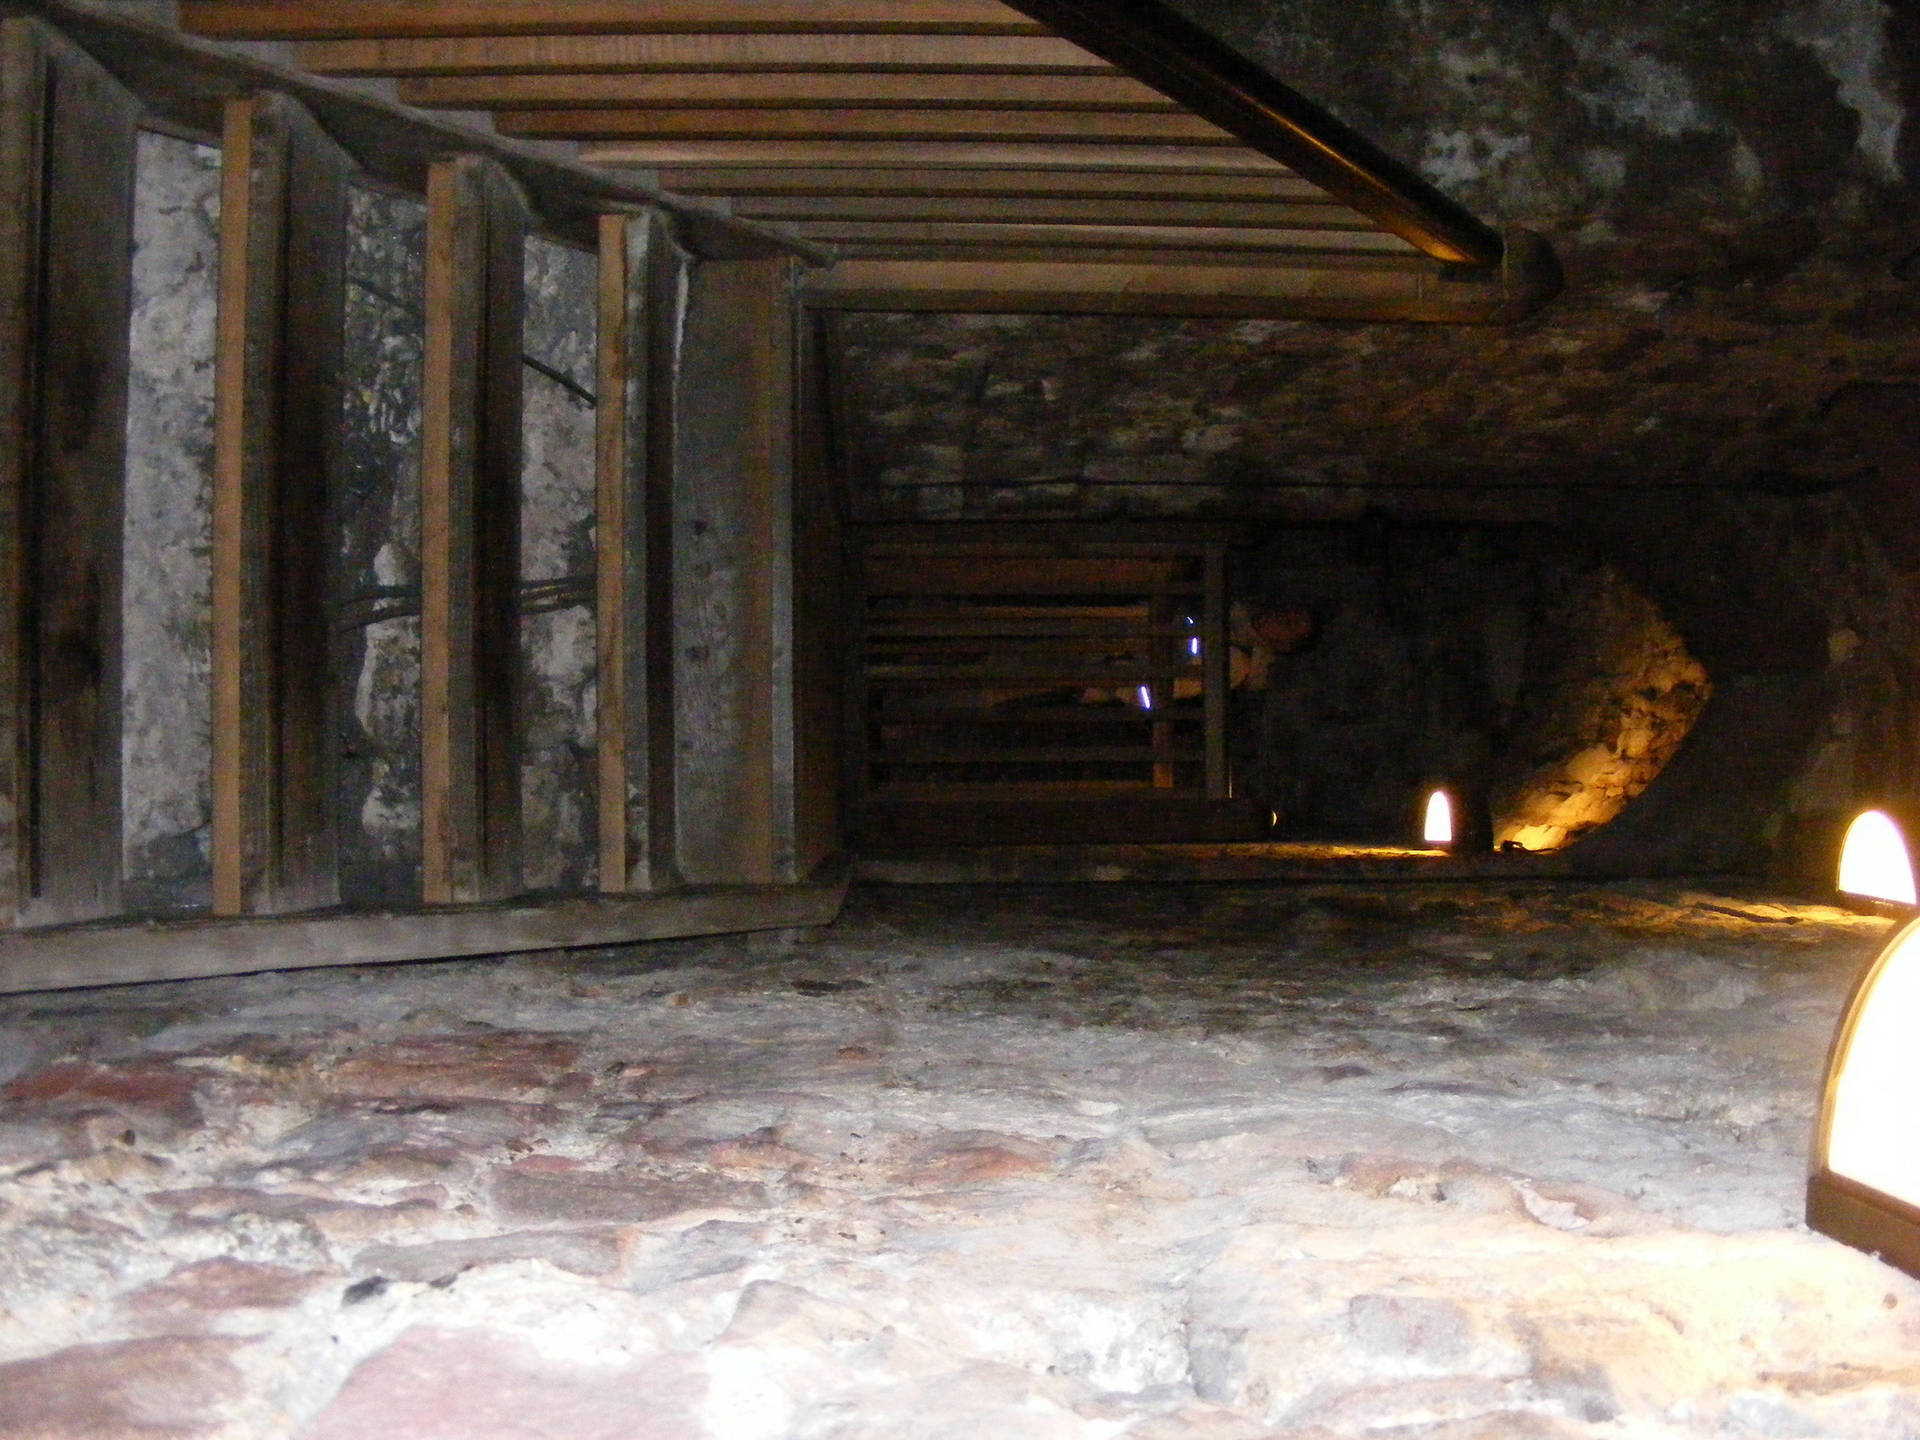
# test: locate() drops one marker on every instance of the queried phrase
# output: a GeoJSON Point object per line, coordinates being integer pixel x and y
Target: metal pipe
{"type": "Point", "coordinates": [1156, 44]}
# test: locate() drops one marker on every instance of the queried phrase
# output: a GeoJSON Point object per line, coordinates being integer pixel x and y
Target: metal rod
{"type": "Point", "coordinates": [1155, 43]}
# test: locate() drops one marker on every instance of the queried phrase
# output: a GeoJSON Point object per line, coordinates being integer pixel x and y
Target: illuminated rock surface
{"type": "Point", "coordinates": [1218, 1162]}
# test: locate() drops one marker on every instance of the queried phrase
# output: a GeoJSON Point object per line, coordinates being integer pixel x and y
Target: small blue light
{"type": "Point", "coordinates": [1146, 698]}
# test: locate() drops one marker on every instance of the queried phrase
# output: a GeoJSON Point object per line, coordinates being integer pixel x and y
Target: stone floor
{"type": "Point", "coordinates": [1174, 1163]}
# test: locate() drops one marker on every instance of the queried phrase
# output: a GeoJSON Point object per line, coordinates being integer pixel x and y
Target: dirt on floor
{"type": "Point", "coordinates": [1168, 1162]}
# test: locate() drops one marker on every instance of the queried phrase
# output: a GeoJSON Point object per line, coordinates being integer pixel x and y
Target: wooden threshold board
{"type": "Point", "coordinates": [1186, 863]}
{"type": "Point", "coordinates": [189, 949]}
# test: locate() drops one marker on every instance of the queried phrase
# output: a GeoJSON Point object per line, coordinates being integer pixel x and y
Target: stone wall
{"type": "Point", "coordinates": [1376, 661]}
{"type": "Point", "coordinates": [166, 736]}
{"type": "Point", "coordinates": [1613, 691]}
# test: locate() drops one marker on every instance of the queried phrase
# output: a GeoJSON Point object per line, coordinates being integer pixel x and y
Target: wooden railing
{"type": "Point", "coordinates": [717, 781]}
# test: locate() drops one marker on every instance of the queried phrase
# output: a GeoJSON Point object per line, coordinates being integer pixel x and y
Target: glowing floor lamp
{"type": "Point", "coordinates": [1874, 864]}
{"type": "Point", "coordinates": [1437, 828]}
{"type": "Point", "coordinates": [1865, 1189]}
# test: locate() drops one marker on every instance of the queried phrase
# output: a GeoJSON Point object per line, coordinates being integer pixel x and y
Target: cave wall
{"type": "Point", "coordinates": [1511, 665]}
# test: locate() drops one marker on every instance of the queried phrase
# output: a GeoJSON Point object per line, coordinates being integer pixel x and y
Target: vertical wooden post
{"type": "Point", "coordinates": [733, 577]}
{"type": "Point", "coordinates": [819, 611]}
{"type": "Point", "coordinates": [642, 301]}
{"type": "Point", "coordinates": [283, 221]}
{"type": "Point", "coordinates": [469, 534]}
{"type": "Point", "coordinates": [1215, 675]}
{"type": "Point", "coordinates": [67, 154]}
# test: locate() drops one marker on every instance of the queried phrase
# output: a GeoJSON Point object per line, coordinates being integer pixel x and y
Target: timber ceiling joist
{"type": "Point", "coordinates": [1061, 155]}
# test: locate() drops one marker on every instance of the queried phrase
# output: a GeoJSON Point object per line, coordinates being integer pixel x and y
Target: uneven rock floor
{"type": "Point", "coordinates": [1157, 1162]}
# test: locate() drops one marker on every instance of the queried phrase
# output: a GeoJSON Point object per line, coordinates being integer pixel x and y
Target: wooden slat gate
{"type": "Point", "coordinates": [705, 766]}
{"type": "Point", "coordinates": [1043, 683]}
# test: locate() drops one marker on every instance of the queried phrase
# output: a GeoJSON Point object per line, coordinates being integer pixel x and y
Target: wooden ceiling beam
{"type": "Point", "coordinates": [1051, 210]}
{"type": "Point", "coordinates": [866, 90]}
{"type": "Point", "coordinates": [561, 54]}
{"type": "Point", "coordinates": [347, 19]}
{"type": "Point", "coordinates": [1213, 238]}
{"type": "Point", "coordinates": [1299, 291]}
{"type": "Point", "coordinates": [931, 155]}
{"type": "Point", "coordinates": [742, 182]}
{"type": "Point", "coordinates": [979, 126]}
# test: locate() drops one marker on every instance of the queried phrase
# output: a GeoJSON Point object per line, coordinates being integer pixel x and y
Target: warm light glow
{"type": "Point", "coordinates": [1438, 827]}
{"type": "Point", "coordinates": [1873, 861]}
{"type": "Point", "coordinates": [1875, 1134]}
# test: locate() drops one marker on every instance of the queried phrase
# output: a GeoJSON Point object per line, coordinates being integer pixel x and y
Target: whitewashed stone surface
{"type": "Point", "coordinates": [166, 738]}
{"type": "Point", "coordinates": [557, 566]}
{"type": "Point", "coordinates": [1228, 1162]}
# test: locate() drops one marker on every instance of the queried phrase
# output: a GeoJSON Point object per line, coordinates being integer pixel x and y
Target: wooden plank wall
{"type": "Point", "coordinates": [733, 576]}
{"type": "Point", "coordinates": [470, 533]}
{"type": "Point", "coordinates": [67, 145]}
{"type": "Point", "coordinates": [283, 217]}
{"type": "Point", "coordinates": [822, 603]}
{"type": "Point", "coordinates": [642, 302]}
{"type": "Point", "coordinates": [717, 568]}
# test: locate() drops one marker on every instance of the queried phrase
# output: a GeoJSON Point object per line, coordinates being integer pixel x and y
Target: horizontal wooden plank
{"type": "Point", "coordinates": [990, 127]}
{"type": "Point", "coordinates": [1330, 288]}
{"type": "Point", "coordinates": [193, 949]}
{"type": "Point", "coordinates": [954, 676]}
{"type": "Point", "coordinates": [1088, 252]}
{"type": "Point", "coordinates": [1142, 646]}
{"type": "Point", "coordinates": [785, 87]}
{"type": "Point", "coordinates": [998, 575]}
{"type": "Point", "coordinates": [1042, 210]}
{"type": "Point", "coordinates": [1398, 290]}
{"type": "Point", "coordinates": [1183, 861]}
{"type": "Point", "coordinates": [753, 183]}
{"type": "Point", "coordinates": [929, 155]}
{"type": "Point", "coordinates": [1107, 717]}
{"type": "Point", "coordinates": [1190, 538]}
{"type": "Point", "coordinates": [902, 234]}
{"type": "Point", "coordinates": [913, 794]}
{"type": "Point", "coordinates": [550, 54]}
{"type": "Point", "coordinates": [329, 19]}
{"type": "Point", "coordinates": [1035, 755]}
{"type": "Point", "coordinates": [957, 628]}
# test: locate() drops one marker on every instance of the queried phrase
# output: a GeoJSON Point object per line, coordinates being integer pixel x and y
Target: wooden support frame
{"type": "Point", "coordinates": [470, 678]}
{"type": "Point", "coordinates": [283, 223]}
{"type": "Point", "coordinates": [642, 302]}
{"type": "Point", "coordinates": [67, 143]}
{"type": "Point", "coordinates": [192, 949]}
{"type": "Point", "coordinates": [1217, 673]}
{"type": "Point", "coordinates": [733, 576]}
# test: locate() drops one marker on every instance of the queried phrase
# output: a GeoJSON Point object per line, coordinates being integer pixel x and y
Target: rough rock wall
{"type": "Point", "coordinates": [1866, 747]}
{"type": "Point", "coordinates": [166, 738]}
{"type": "Point", "coordinates": [1503, 662]}
{"type": "Point", "coordinates": [1614, 691]}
